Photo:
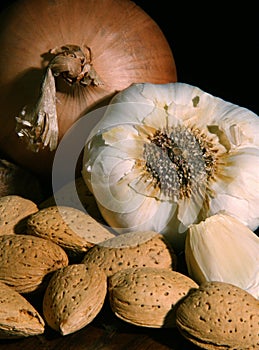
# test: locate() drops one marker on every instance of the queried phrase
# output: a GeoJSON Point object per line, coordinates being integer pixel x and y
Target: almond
{"type": "Point", "coordinates": [73, 297]}
{"type": "Point", "coordinates": [18, 318]}
{"type": "Point", "coordinates": [14, 211]}
{"type": "Point", "coordinates": [146, 296]}
{"type": "Point", "coordinates": [133, 249]}
{"type": "Point", "coordinates": [219, 315]}
{"type": "Point", "coordinates": [71, 228]}
{"type": "Point", "coordinates": [26, 261]}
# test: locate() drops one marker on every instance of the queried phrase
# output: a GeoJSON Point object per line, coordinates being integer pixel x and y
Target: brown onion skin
{"type": "Point", "coordinates": [127, 47]}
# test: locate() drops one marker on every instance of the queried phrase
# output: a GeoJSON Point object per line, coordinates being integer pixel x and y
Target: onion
{"type": "Point", "coordinates": [62, 58]}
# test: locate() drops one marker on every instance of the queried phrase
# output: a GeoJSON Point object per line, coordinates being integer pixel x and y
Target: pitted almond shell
{"type": "Point", "coordinates": [68, 227]}
{"type": "Point", "coordinates": [73, 297]}
{"type": "Point", "coordinates": [18, 318]}
{"type": "Point", "coordinates": [219, 315]}
{"type": "Point", "coordinates": [14, 211]}
{"type": "Point", "coordinates": [146, 296]}
{"type": "Point", "coordinates": [133, 249]}
{"type": "Point", "coordinates": [26, 261]}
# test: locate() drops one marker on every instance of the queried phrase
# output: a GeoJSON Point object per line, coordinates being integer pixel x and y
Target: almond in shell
{"type": "Point", "coordinates": [18, 318]}
{"type": "Point", "coordinates": [73, 298]}
{"type": "Point", "coordinates": [27, 261]}
{"type": "Point", "coordinates": [133, 249]}
{"type": "Point", "coordinates": [14, 211]}
{"type": "Point", "coordinates": [71, 228]}
{"type": "Point", "coordinates": [220, 316]}
{"type": "Point", "coordinates": [146, 296]}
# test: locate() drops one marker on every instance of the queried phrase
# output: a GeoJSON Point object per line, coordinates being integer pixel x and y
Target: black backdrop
{"type": "Point", "coordinates": [215, 48]}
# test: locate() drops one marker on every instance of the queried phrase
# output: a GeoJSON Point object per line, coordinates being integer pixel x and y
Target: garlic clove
{"type": "Point", "coordinates": [221, 248]}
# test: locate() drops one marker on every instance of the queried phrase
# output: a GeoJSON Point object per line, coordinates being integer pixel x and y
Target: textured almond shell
{"type": "Point", "coordinates": [73, 298]}
{"type": "Point", "coordinates": [68, 227]}
{"type": "Point", "coordinates": [26, 261]}
{"type": "Point", "coordinates": [221, 316]}
{"type": "Point", "coordinates": [14, 211]}
{"type": "Point", "coordinates": [146, 296]}
{"type": "Point", "coordinates": [133, 249]}
{"type": "Point", "coordinates": [18, 318]}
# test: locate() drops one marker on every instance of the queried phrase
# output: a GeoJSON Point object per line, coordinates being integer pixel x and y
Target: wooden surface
{"type": "Point", "coordinates": [106, 332]}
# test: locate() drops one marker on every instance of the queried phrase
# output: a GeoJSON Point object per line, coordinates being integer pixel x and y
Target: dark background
{"type": "Point", "coordinates": [215, 48]}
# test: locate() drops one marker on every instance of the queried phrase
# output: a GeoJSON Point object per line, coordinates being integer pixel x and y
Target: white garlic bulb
{"type": "Point", "coordinates": [166, 156]}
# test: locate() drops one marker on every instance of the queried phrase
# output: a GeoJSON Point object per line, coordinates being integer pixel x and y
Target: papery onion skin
{"type": "Point", "coordinates": [127, 46]}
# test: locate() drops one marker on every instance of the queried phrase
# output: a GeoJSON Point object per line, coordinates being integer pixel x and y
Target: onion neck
{"type": "Point", "coordinates": [39, 125]}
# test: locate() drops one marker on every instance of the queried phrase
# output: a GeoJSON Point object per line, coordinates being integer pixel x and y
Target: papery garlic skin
{"type": "Point", "coordinates": [212, 165]}
{"type": "Point", "coordinates": [221, 248]}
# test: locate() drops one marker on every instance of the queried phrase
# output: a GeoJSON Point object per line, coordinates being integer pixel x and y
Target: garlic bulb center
{"type": "Point", "coordinates": [178, 162]}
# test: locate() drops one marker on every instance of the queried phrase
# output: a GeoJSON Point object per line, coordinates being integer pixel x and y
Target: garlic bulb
{"type": "Point", "coordinates": [165, 156]}
{"type": "Point", "coordinates": [221, 248]}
